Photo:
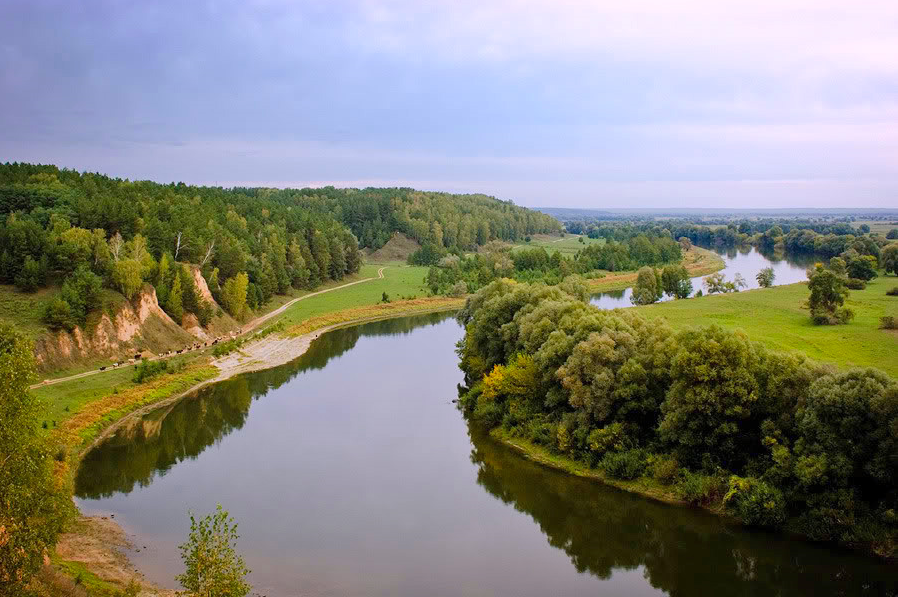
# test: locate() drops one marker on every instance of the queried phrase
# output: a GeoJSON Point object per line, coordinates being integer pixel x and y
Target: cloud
{"type": "Point", "coordinates": [535, 100]}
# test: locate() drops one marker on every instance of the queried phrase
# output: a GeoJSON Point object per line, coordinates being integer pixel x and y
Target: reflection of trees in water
{"type": "Point", "coordinates": [683, 552]}
{"type": "Point", "coordinates": [168, 435]}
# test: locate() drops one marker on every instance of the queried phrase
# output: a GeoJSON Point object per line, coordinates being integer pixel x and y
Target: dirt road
{"type": "Point", "coordinates": [245, 329]}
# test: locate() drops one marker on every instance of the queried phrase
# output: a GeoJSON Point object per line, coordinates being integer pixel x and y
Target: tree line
{"type": "Point", "coordinates": [457, 274]}
{"type": "Point", "coordinates": [774, 438]}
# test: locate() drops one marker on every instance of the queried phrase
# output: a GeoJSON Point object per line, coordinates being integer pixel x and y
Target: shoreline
{"type": "Point", "coordinates": [96, 542]}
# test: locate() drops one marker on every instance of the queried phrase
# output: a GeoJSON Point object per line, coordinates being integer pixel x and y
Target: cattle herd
{"type": "Point", "coordinates": [189, 348]}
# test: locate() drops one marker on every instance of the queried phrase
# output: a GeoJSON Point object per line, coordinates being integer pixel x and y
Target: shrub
{"type": "Point", "coordinates": [888, 322]}
{"type": "Point", "coordinates": [665, 470]}
{"type": "Point", "coordinates": [58, 315]}
{"type": "Point", "coordinates": [147, 370]}
{"type": "Point", "coordinates": [755, 503]}
{"type": "Point", "coordinates": [696, 488]}
{"type": "Point", "coordinates": [855, 284]}
{"type": "Point", "coordinates": [892, 291]}
{"type": "Point", "coordinates": [624, 465]}
{"type": "Point", "coordinates": [488, 413]}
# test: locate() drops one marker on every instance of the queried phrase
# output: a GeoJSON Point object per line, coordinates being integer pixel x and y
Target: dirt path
{"type": "Point", "coordinates": [245, 328]}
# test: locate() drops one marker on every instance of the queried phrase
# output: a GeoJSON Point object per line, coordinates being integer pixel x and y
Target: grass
{"type": "Point", "coordinates": [567, 245]}
{"type": "Point", "coordinates": [377, 311]}
{"type": "Point", "coordinates": [778, 318]}
{"type": "Point", "coordinates": [23, 310]}
{"type": "Point", "coordinates": [399, 281]}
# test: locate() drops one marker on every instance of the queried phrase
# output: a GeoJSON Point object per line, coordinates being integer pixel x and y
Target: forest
{"type": "Point", "coordinates": [94, 232]}
{"type": "Point", "coordinates": [705, 414]}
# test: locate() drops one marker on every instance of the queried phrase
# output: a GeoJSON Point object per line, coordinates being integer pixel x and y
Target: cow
{"type": "Point", "coordinates": [138, 356]}
{"type": "Point", "coordinates": [103, 368]}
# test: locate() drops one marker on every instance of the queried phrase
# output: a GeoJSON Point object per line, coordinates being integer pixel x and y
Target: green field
{"type": "Point", "coordinates": [399, 281]}
{"type": "Point", "coordinates": [567, 245]}
{"type": "Point", "coordinates": [880, 226]}
{"type": "Point", "coordinates": [777, 318]}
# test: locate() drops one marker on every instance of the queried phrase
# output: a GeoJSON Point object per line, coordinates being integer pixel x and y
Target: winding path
{"type": "Point", "coordinates": [245, 329]}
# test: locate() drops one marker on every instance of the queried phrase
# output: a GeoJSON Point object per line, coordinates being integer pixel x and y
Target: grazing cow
{"type": "Point", "coordinates": [103, 368]}
{"type": "Point", "coordinates": [179, 352]}
{"type": "Point", "coordinates": [138, 356]}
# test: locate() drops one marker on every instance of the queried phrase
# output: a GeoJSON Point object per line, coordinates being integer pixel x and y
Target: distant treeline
{"type": "Point", "coordinates": [441, 219]}
{"type": "Point", "coordinates": [460, 274]}
{"type": "Point", "coordinates": [774, 438]}
{"type": "Point", "coordinates": [825, 238]}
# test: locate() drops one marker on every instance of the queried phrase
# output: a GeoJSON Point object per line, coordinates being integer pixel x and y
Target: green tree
{"type": "Point", "coordinates": [81, 290]}
{"type": "Point", "coordinates": [174, 306]}
{"type": "Point", "coordinates": [213, 566]}
{"type": "Point", "coordinates": [58, 315]}
{"type": "Point", "coordinates": [766, 277]}
{"type": "Point", "coordinates": [712, 396]}
{"type": "Point", "coordinates": [892, 234]}
{"type": "Point", "coordinates": [648, 288]}
{"type": "Point", "coordinates": [233, 294]}
{"type": "Point", "coordinates": [127, 274]}
{"type": "Point", "coordinates": [34, 502]}
{"type": "Point", "coordinates": [828, 294]}
{"type": "Point", "coordinates": [672, 277]}
{"type": "Point", "coordinates": [715, 283]}
{"type": "Point", "coordinates": [888, 257]}
{"type": "Point", "coordinates": [862, 267]}
{"type": "Point", "coordinates": [33, 274]}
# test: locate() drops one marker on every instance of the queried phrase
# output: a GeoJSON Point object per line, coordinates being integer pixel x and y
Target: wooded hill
{"type": "Point", "coordinates": [92, 231]}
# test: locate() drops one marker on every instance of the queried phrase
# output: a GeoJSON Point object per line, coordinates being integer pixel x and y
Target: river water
{"type": "Point", "coordinates": [352, 473]}
{"type": "Point", "coordinates": [745, 260]}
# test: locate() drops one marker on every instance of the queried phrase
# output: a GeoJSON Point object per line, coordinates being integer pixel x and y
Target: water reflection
{"type": "Point", "coordinates": [682, 552]}
{"type": "Point", "coordinates": [745, 260]}
{"type": "Point", "coordinates": [150, 445]}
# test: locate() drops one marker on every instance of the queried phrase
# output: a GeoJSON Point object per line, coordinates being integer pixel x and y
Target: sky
{"type": "Point", "coordinates": [642, 103]}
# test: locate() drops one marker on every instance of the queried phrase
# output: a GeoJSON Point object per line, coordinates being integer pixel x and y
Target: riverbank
{"type": "Point", "coordinates": [103, 562]}
{"type": "Point", "coordinates": [697, 261]}
{"type": "Point", "coordinates": [670, 493]}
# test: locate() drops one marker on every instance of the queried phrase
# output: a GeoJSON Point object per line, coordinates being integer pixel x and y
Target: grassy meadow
{"type": "Point", "coordinates": [778, 318]}
{"type": "Point", "coordinates": [568, 245]}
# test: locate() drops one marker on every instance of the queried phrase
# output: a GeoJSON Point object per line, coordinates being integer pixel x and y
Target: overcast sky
{"type": "Point", "coordinates": [636, 103]}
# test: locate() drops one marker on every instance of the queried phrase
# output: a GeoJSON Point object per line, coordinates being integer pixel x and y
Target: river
{"type": "Point", "coordinates": [745, 260]}
{"type": "Point", "coordinates": [351, 473]}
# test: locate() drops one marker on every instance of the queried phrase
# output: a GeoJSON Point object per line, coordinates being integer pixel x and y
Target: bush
{"type": "Point", "coordinates": [755, 503]}
{"type": "Point", "coordinates": [147, 370]}
{"type": "Point", "coordinates": [893, 291]}
{"type": "Point", "coordinates": [665, 470]}
{"type": "Point", "coordinates": [855, 284]}
{"type": "Point", "coordinates": [888, 322]}
{"type": "Point", "coordinates": [624, 465]}
{"type": "Point", "coordinates": [696, 488]}
{"type": "Point", "coordinates": [58, 315]}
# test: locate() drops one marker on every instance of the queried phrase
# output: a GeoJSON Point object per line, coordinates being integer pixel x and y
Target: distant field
{"type": "Point", "coordinates": [567, 245]}
{"type": "Point", "coordinates": [777, 318]}
{"type": "Point", "coordinates": [877, 226]}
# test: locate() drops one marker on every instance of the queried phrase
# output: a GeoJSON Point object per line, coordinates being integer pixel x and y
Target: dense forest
{"type": "Point", "coordinates": [776, 439]}
{"type": "Point", "coordinates": [92, 231]}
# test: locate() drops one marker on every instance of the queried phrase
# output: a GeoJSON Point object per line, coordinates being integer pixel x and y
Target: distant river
{"type": "Point", "coordinates": [351, 473]}
{"type": "Point", "coordinates": [747, 261]}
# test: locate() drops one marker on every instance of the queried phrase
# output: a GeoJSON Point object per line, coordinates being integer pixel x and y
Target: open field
{"type": "Point", "coordinates": [880, 226]}
{"type": "Point", "coordinates": [778, 318]}
{"type": "Point", "coordinates": [567, 245]}
{"type": "Point", "coordinates": [399, 281]}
